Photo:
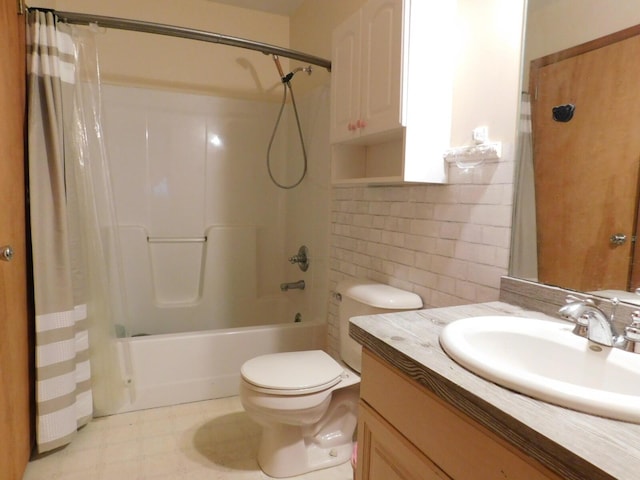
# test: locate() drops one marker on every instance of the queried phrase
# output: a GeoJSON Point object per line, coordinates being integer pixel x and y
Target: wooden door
{"type": "Point", "coordinates": [586, 167]}
{"type": "Point", "coordinates": [14, 372]}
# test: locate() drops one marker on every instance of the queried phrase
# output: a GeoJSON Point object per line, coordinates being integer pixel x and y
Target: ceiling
{"type": "Point", "coordinates": [279, 7]}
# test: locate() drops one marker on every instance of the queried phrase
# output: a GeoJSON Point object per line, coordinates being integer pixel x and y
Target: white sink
{"type": "Point", "coordinates": [545, 360]}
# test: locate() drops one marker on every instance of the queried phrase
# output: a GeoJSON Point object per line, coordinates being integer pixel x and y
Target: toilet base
{"type": "Point", "coordinates": [283, 453]}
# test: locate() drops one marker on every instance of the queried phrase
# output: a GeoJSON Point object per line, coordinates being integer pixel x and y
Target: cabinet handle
{"type": "Point", "coordinates": [361, 124]}
{"type": "Point", "coordinates": [617, 239]}
{"type": "Point", "coordinates": [351, 127]}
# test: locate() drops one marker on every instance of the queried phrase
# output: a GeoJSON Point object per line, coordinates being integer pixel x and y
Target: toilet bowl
{"type": "Point", "coordinates": [306, 402]}
{"type": "Point", "coordinates": [305, 426]}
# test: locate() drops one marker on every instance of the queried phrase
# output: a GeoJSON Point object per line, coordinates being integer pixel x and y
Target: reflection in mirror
{"type": "Point", "coordinates": [575, 212]}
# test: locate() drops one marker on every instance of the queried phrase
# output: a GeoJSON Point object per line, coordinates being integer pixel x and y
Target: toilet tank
{"type": "Point", "coordinates": [365, 297]}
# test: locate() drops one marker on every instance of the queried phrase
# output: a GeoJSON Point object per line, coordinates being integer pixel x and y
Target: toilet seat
{"type": "Point", "coordinates": [292, 373]}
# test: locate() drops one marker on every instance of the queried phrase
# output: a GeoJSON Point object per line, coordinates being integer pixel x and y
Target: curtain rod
{"type": "Point", "coordinates": [190, 33]}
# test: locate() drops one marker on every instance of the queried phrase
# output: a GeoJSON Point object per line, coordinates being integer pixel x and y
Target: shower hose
{"type": "Point", "coordinates": [287, 85]}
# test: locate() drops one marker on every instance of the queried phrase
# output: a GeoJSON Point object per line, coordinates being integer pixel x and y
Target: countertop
{"type": "Point", "coordinates": [575, 445]}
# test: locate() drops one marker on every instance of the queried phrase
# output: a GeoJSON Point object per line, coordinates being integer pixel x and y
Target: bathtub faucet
{"type": "Point", "coordinates": [299, 285]}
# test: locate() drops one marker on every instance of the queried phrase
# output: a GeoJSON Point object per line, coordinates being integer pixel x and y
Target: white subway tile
{"type": "Point", "coordinates": [423, 277]}
{"type": "Point", "coordinates": [475, 252]}
{"type": "Point", "coordinates": [482, 194]}
{"type": "Point", "coordinates": [453, 213]}
{"type": "Point", "coordinates": [497, 236]}
{"type": "Point", "coordinates": [485, 274]}
{"type": "Point", "coordinates": [494, 215]}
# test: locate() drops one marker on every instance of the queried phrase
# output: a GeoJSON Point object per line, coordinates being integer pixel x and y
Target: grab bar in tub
{"type": "Point", "coordinates": [176, 239]}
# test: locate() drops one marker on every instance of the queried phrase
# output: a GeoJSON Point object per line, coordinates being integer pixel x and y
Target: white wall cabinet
{"type": "Point", "coordinates": [391, 93]}
{"type": "Point", "coordinates": [367, 72]}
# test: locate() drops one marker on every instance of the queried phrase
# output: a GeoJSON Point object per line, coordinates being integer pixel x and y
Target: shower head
{"type": "Point", "coordinates": [308, 70]}
{"type": "Point", "coordinates": [287, 78]}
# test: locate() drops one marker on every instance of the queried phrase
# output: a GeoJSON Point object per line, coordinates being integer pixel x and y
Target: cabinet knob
{"type": "Point", "coordinates": [351, 127]}
{"type": "Point", "coordinates": [361, 124]}
{"type": "Point", "coordinates": [6, 253]}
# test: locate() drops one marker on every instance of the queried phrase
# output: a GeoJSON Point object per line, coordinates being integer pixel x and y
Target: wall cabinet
{"type": "Point", "coordinates": [367, 72]}
{"type": "Point", "coordinates": [406, 432]}
{"type": "Point", "coordinates": [391, 93]}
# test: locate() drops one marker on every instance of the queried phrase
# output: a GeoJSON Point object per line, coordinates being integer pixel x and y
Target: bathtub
{"type": "Point", "coordinates": [169, 369]}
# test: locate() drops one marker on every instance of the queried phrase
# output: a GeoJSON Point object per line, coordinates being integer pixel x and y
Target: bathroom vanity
{"type": "Point", "coordinates": [424, 416]}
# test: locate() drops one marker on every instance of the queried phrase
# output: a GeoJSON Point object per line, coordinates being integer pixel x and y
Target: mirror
{"type": "Point", "coordinates": [555, 26]}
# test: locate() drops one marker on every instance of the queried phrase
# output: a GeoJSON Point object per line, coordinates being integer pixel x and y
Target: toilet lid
{"type": "Point", "coordinates": [309, 371]}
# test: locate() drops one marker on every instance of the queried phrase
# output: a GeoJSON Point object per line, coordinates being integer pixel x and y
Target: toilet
{"type": "Point", "coordinates": [306, 402]}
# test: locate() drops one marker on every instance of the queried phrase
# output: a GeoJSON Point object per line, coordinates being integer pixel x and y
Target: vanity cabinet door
{"type": "Point", "coordinates": [456, 443]}
{"type": "Point", "coordinates": [384, 454]}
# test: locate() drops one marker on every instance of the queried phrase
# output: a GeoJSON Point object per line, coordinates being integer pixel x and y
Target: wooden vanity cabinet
{"type": "Point", "coordinates": [406, 432]}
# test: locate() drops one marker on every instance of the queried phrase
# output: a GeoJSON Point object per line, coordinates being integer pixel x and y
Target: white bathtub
{"type": "Point", "coordinates": [169, 369]}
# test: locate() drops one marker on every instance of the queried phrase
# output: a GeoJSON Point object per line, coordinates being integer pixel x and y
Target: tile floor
{"type": "Point", "coordinates": [209, 440]}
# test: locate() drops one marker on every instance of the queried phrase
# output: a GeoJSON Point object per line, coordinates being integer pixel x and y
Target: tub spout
{"type": "Point", "coordinates": [299, 285]}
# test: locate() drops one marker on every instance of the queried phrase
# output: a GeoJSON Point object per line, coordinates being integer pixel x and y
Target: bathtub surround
{"type": "Point", "coordinates": [199, 218]}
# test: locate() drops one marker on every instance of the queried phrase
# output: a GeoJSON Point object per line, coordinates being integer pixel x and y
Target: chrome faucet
{"type": "Point", "coordinates": [299, 285]}
{"type": "Point", "coordinates": [591, 322]}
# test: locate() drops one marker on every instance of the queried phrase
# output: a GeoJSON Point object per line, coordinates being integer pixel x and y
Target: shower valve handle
{"type": "Point", "coordinates": [302, 258]}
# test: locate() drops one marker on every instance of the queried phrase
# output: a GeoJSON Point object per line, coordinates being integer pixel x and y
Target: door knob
{"type": "Point", "coordinates": [617, 239]}
{"type": "Point", "coordinates": [6, 253]}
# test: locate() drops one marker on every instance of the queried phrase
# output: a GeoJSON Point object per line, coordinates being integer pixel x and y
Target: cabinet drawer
{"type": "Point", "coordinates": [461, 447]}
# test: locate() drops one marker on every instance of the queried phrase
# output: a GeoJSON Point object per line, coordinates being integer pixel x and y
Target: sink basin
{"type": "Point", "coordinates": [545, 360]}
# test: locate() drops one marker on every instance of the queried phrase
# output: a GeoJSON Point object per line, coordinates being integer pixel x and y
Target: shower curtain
{"type": "Point", "coordinates": [77, 292]}
{"type": "Point", "coordinates": [524, 260]}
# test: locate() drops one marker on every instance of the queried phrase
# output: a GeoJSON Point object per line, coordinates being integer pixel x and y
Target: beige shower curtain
{"type": "Point", "coordinates": [63, 392]}
{"type": "Point", "coordinates": [74, 283]}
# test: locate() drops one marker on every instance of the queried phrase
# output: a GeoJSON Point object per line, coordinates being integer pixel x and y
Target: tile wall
{"type": "Point", "coordinates": [447, 243]}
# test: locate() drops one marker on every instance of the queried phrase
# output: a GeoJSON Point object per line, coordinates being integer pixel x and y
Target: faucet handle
{"type": "Point", "coordinates": [593, 302]}
{"type": "Point", "coordinates": [632, 331]}
{"type": "Point", "coordinates": [301, 258]}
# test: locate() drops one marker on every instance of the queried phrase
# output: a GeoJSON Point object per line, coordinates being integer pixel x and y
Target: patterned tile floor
{"type": "Point", "coordinates": [209, 440]}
